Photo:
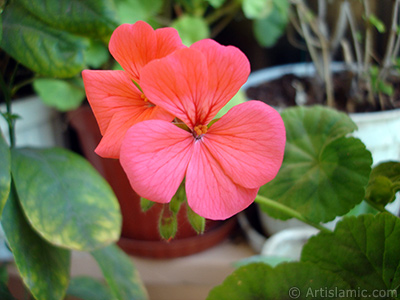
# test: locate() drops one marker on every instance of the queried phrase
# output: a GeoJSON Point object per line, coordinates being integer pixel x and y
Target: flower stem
{"type": "Point", "coordinates": [378, 207]}
{"type": "Point", "coordinates": [8, 115]}
{"type": "Point", "coordinates": [288, 211]}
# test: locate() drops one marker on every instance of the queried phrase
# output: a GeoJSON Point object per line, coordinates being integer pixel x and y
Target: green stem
{"type": "Point", "coordinates": [288, 211]}
{"type": "Point", "coordinates": [378, 207]}
{"type": "Point", "coordinates": [231, 8]}
{"type": "Point", "coordinates": [8, 116]}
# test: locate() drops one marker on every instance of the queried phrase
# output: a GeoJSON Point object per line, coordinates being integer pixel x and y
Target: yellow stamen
{"type": "Point", "coordinates": [144, 98]}
{"type": "Point", "coordinates": [200, 129]}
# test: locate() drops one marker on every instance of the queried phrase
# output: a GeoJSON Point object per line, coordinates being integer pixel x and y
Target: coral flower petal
{"type": "Point", "coordinates": [210, 192]}
{"type": "Point", "coordinates": [111, 142]}
{"type": "Point", "coordinates": [228, 70]}
{"type": "Point", "coordinates": [248, 142]}
{"type": "Point", "coordinates": [155, 155]}
{"type": "Point", "coordinates": [168, 40]}
{"type": "Point", "coordinates": [109, 92]}
{"type": "Point", "coordinates": [117, 105]}
{"type": "Point", "coordinates": [179, 84]}
{"type": "Point", "coordinates": [135, 45]}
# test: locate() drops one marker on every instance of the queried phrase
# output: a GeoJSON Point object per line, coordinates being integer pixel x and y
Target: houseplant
{"type": "Point", "coordinates": [52, 200]}
{"type": "Point", "coordinates": [188, 18]}
{"type": "Point", "coordinates": [364, 86]}
{"type": "Point", "coordinates": [325, 173]}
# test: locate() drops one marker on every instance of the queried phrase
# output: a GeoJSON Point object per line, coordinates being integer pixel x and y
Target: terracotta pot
{"type": "Point", "coordinates": [139, 230]}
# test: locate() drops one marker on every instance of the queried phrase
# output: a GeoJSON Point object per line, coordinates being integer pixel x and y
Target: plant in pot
{"type": "Point", "coordinates": [363, 85]}
{"type": "Point", "coordinates": [140, 232]}
{"type": "Point", "coordinates": [326, 172]}
{"type": "Point", "coordinates": [73, 41]}
{"type": "Point", "coordinates": [52, 201]}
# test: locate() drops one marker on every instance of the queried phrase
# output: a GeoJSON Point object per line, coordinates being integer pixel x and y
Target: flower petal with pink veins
{"type": "Point", "coordinates": [168, 40]}
{"type": "Point", "coordinates": [179, 84]}
{"type": "Point", "coordinates": [248, 142]}
{"type": "Point", "coordinates": [133, 46]}
{"type": "Point", "coordinates": [110, 144]}
{"type": "Point", "coordinates": [109, 92]}
{"type": "Point", "coordinates": [155, 155]}
{"type": "Point", "coordinates": [228, 70]}
{"type": "Point", "coordinates": [210, 193]}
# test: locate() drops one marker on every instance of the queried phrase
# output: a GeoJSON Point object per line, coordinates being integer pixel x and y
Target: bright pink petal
{"type": "Point", "coordinates": [228, 70]}
{"type": "Point", "coordinates": [168, 40]}
{"type": "Point", "coordinates": [109, 92]}
{"type": "Point", "coordinates": [133, 46]}
{"type": "Point", "coordinates": [155, 155]}
{"type": "Point", "coordinates": [210, 192]}
{"type": "Point", "coordinates": [179, 84]}
{"type": "Point", "coordinates": [248, 142]}
{"type": "Point", "coordinates": [111, 142]}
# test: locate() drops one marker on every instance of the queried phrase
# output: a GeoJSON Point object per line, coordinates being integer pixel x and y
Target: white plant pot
{"type": "Point", "coordinates": [379, 131]}
{"type": "Point", "coordinates": [38, 125]}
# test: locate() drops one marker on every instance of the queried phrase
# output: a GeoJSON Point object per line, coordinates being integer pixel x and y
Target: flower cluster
{"type": "Point", "coordinates": [156, 116]}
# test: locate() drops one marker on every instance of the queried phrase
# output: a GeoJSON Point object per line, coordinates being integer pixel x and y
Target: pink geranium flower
{"type": "Point", "coordinates": [116, 101]}
{"type": "Point", "coordinates": [224, 163]}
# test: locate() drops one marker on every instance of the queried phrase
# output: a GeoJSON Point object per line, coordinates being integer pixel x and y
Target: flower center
{"type": "Point", "coordinates": [199, 130]}
{"type": "Point", "coordinates": [146, 100]}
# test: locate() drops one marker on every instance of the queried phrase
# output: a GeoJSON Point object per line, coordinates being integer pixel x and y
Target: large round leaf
{"type": "Point", "coordinates": [92, 18]}
{"type": "Point", "coordinates": [120, 273]}
{"type": "Point", "coordinates": [62, 94]}
{"type": "Point", "coordinates": [43, 267]}
{"type": "Point", "coordinates": [88, 288]}
{"type": "Point", "coordinates": [64, 198]}
{"type": "Point", "coordinates": [40, 47]}
{"type": "Point", "coordinates": [5, 168]}
{"type": "Point", "coordinates": [364, 251]}
{"type": "Point", "coordinates": [324, 173]}
{"type": "Point", "coordinates": [285, 281]}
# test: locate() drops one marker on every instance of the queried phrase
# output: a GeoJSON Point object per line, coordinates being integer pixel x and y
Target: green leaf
{"type": "Point", "coordinates": [96, 55]}
{"type": "Point", "coordinates": [239, 98]}
{"type": "Point", "coordinates": [64, 198]}
{"type": "Point", "coordinates": [269, 29]}
{"type": "Point", "coordinates": [87, 288]}
{"type": "Point", "coordinates": [5, 168]}
{"type": "Point", "coordinates": [43, 267]}
{"type": "Point", "coordinates": [324, 173]}
{"type": "Point", "coordinates": [363, 250]}
{"type": "Point", "coordinates": [58, 93]}
{"type": "Point", "coordinates": [4, 291]}
{"type": "Point", "coordinates": [385, 88]}
{"type": "Point", "coordinates": [191, 29]}
{"type": "Point", "coordinates": [130, 11]}
{"type": "Point", "coordinates": [120, 273]}
{"type": "Point", "coordinates": [257, 9]}
{"type": "Point", "coordinates": [384, 183]}
{"type": "Point", "coordinates": [145, 204]}
{"type": "Point", "coordinates": [216, 3]}
{"type": "Point", "coordinates": [90, 18]}
{"type": "Point", "coordinates": [1, 27]}
{"type": "Point", "coordinates": [269, 260]}
{"type": "Point", "coordinates": [285, 281]}
{"type": "Point", "coordinates": [378, 24]}
{"type": "Point", "coordinates": [39, 47]}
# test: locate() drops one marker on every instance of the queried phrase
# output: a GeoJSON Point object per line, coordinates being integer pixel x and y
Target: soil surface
{"type": "Point", "coordinates": [290, 90]}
